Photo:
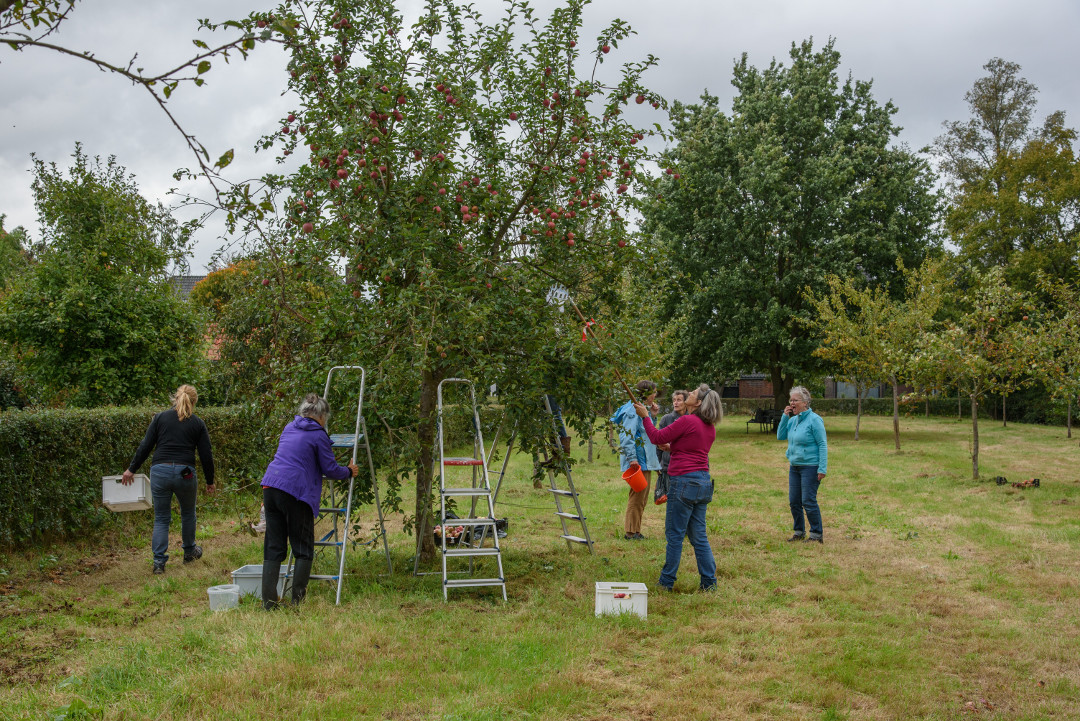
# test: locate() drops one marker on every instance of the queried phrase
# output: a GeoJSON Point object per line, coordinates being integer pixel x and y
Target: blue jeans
{"type": "Point", "coordinates": [688, 498]}
{"type": "Point", "coordinates": [802, 495]}
{"type": "Point", "coordinates": [167, 479]}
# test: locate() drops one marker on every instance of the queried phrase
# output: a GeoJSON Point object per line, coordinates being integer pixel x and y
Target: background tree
{"type": "Point", "coordinates": [458, 169]}
{"type": "Point", "coordinates": [1059, 339]}
{"type": "Point", "coordinates": [884, 334]}
{"type": "Point", "coordinates": [1015, 187]}
{"type": "Point", "coordinates": [800, 181]}
{"type": "Point", "coordinates": [94, 320]}
{"type": "Point", "coordinates": [974, 346]}
{"type": "Point", "coordinates": [15, 252]}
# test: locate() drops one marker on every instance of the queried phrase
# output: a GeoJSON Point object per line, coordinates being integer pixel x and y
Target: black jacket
{"type": "Point", "coordinates": [175, 441]}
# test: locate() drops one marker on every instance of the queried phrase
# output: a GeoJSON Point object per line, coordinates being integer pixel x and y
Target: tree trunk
{"type": "Point", "coordinates": [1004, 415]}
{"type": "Point", "coordinates": [896, 412]}
{"type": "Point", "coordinates": [1068, 419]}
{"type": "Point", "coordinates": [974, 438]}
{"type": "Point", "coordinates": [425, 475]}
{"type": "Point", "coordinates": [858, 411]}
{"type": "Point", "coordinates": [926, 402]}
{"type": "Point", "coordinates": [591, 427]}
{"type": "Point", "coordinates": [781, 384]}
{"type": "Point", "coordinates": [959, 413]}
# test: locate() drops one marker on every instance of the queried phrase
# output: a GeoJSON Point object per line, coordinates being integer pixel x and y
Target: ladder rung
{"type": "Point", "coordinates": [571, 516]}
{"type": "Point", "coordinates": [320, 577]}
{"type": "Point", "coordinates": [331, 510]}
{"type": "Point", "coordinates": [469, 551]}
{"type": "Point", "coordinates": [560, 492]}
{"type": "Point", "coordinates": [328, 543]}
{"type": "Point", "coordinates": [458, 582]}
{"type": "Point", "coordinates": [575, 539]}
{"type": "Point", "coordinates": [466, 492]}
{"type": "Point", "coordinates": [468, 522]}
{"type": "Point", "coordinates": [462, 462]}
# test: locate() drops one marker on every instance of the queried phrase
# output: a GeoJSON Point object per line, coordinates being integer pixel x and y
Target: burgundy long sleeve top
{"type": "Point", "coordinates": [691, 439]}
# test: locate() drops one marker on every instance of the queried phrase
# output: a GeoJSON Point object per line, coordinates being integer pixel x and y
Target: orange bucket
{"type": "Point", "coordinates": [635, 478]}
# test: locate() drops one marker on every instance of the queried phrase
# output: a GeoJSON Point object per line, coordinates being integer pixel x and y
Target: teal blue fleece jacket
{"type": "Point", "coordinates": [806, 444]}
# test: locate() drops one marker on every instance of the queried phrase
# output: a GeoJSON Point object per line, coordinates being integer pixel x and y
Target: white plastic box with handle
{"type": "Point", "coordinates": [615, 597]}
{"type": "Point", "coordinates": [117, 497]}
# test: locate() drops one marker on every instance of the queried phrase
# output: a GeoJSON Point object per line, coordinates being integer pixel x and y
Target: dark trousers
{"type": "Point", "coordinates": [287, 519]}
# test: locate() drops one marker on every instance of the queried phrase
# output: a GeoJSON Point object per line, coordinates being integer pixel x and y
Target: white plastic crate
{"type": "Point", "coordinates": [117, 497]}
{"type": "Point", "coordinates": [614, 597]}
{"type": "Point", "coordinates": [249, 579]}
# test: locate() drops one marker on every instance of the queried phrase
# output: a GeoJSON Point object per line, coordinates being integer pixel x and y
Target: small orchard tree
{"type": "Point", "coordinates": [455, 171]}
{"type": "Point", "coordinates": [874, 334]}
{"type": "Point", "coordinates": [978, 347]}
{"type": "Point", "coordinates": [850, 323]}
{"type": "Point", "coordinates": [95, 320]}
{"type": "Point", "coordinates": [1059, 340]}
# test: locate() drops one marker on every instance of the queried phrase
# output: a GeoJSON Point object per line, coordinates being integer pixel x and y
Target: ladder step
{"type": "Point", "coordinates": [571, 516]}
{"type": "Point", "coordinates": [331, 510]}
{"type": "Point", "coordinates": [462, 462]}
{"type": "Point", "coordinates": [466, 491]}
{"type": "Point", "coordinates": [346, 440]}
{"type": "Point", "coordinates": [469, 551]}
{"type": "Point", "coordinates": [560, 492]}
{"type": "Point", "coordinates": [328, 543]}
{"type": "Point", "coordinates": [469, 522]}
{"type": "Point", "coordinates": [460, 582]}
{"type": "Point", "coordinates": [320, 577]}
{"type": "Point", "coordinates": [575, 539]}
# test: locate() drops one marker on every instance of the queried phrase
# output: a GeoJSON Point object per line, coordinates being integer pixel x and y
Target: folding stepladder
{"type": "Point", "coordinates": [338, 536]}
{"type": "Point", "coordinates": [480, 489]}
{"type": "Point", "coordinates": [552, 455]}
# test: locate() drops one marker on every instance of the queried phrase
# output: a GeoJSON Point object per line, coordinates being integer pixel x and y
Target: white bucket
{"type": "Point", "coordinates": [224, 597]}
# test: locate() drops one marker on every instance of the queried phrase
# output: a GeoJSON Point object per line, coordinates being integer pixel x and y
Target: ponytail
{"type": "Point", "coordinates": [184, 401]}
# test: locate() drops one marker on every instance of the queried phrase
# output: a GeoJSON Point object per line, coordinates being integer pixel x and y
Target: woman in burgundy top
{"type": "Point", "coordinates": [689, 486]}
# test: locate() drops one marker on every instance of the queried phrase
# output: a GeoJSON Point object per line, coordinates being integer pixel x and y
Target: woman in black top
{"type": "Point", "coordinates": [176, 434]}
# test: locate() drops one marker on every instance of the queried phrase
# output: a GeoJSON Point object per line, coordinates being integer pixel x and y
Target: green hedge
{"type": "Point", "coordinates": [945, 407]}
{"type": "Point", "coordinates": [53, 460]}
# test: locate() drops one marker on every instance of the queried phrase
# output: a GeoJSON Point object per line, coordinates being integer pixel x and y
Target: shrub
{"type": "Point", "coordinates": [53, 460]}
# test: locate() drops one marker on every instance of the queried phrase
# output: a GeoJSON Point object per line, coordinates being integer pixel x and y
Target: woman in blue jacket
{"type": "Point", "coordinates": [292, 488]}
{"type": "Point", "coordinates": [808, 454]}
{"type": "Point", "coordinates": [635, 447]}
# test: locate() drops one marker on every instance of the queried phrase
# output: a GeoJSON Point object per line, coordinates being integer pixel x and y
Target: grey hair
{"type": "Point", "coordinates": [711, 409]}
{"type": "Point", "coordinates": [313, 407]}
{"type": "Point", "coordinates": [802, 393]}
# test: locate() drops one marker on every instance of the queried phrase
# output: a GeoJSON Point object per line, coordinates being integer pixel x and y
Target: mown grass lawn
{"type": "Point", "coordinates": [934, 597]}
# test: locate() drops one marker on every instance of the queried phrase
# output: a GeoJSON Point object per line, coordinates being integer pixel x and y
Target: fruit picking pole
{"type": "Point", "coordinates": [589, 330]}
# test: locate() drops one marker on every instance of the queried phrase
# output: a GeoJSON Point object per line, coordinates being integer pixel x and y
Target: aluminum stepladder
{"type": "Point", "coordinates": [552, 455]}
{"type": "Point", "coordinates": [338, 536]}
{"type": "Point", "coordinates": [480, 489]}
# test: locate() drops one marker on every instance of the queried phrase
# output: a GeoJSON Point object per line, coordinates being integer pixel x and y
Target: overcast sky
{"type": "Point", "coordinates": [923, 55]}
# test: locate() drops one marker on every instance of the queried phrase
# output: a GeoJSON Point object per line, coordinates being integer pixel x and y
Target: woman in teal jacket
{"type": "Point", "coordinates": [808, 454]}
{"type": "Point", "coordinates": [635, 447]}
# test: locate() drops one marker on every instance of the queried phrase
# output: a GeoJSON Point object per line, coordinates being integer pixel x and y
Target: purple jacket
{"type": "Point", "coordinates": [303, 457]}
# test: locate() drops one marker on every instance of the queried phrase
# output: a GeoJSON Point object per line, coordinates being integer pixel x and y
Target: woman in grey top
{"type": "Point", "coordinates": [678, 400]}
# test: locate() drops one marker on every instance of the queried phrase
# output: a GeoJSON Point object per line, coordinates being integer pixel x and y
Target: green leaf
{"type": "Point", "coordinates": [203, 67]}
{"type": "Point", "coordinates": [225, 159]}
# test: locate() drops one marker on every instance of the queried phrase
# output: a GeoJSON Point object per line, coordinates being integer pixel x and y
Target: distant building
{"type": "Point", "coordinates": [755, 385]}
{"type": "Point", "coordinates": [184, 283]}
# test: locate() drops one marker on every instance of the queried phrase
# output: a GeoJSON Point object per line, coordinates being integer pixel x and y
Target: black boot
{"type": "Point", "coordinates": [301, 574]}
{"type": "Point", "coordinates": [269, 587]}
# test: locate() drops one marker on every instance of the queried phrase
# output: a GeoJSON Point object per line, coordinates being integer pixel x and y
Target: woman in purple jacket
{"type": "Point", "coordinates": [292, 489]}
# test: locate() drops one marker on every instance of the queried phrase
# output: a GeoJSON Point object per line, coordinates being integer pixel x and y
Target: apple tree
{"type": "Point", "coordinates": [453, 171]}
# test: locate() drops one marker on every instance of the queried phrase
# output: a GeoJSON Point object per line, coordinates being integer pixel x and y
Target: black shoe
{"type": "Point", "coordinates": [629, 536]}
{"type": "Point", "coordinates": [814, 540]}
{"type": "Point", "coordinates": [639, 537]}
{"type": "Point", "coordinates": [797, 537]}
{"type": "Point", "coordinates": [194, 554]}
{"type": "Point", "coordinates": [159, 568]}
